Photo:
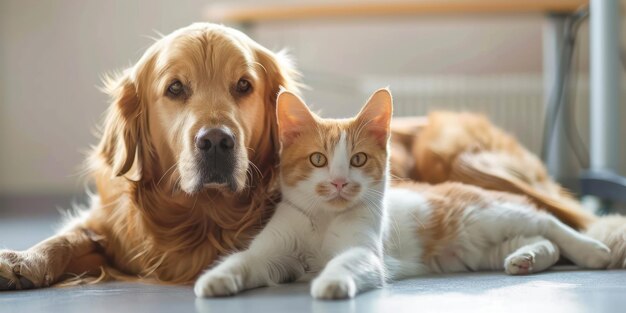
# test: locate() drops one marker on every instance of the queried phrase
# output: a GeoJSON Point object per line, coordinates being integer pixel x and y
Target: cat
{"type": "Point", "coordinates": [341, 225]}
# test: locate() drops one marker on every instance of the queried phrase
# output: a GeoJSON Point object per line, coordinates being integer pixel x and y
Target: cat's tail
{"type": "Point", "coordinates": [480, 169]}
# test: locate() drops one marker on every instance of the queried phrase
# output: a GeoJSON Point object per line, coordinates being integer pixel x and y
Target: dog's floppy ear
{"type": "Point", "coordinates": [118, 146]}
{"type": "Point", "coordinates": [279, 74]}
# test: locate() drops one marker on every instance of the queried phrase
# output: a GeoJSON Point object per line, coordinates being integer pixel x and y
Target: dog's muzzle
{"type": "Point", "coordinates": [216, 155]}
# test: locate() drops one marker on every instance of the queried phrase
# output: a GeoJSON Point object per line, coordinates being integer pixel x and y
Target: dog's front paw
{"type": "Point", "coordinates": [212, 284]}
{"type": "Point", "coordinates": [333, 288]}
{"type": "Point", "coordinates": [23, 270]}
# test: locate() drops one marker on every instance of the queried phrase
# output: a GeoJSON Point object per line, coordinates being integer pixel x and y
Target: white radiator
{"type": "Point", "coordinates": [513, 102]}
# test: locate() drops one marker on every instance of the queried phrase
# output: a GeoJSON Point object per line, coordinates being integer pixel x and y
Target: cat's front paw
{"type": "Point", "coordinates": [212, 284]}
{"type": "Point", "coordinates": [333, 288]}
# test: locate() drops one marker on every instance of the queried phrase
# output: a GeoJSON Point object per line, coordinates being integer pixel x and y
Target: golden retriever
{"type": "Point", "coordinates": [185, 167]}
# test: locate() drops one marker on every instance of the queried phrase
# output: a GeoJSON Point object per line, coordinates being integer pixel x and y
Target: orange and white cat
{"type": "Point", "coordinates": [342, 226]}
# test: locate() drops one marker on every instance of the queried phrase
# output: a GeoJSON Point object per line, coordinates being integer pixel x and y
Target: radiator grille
{"type": "Point", "coordinates": [513, 102]}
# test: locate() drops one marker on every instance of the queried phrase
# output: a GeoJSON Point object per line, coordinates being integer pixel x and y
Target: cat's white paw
{"type": "Point", "coordinates": [217, 285]}
{"type": "Point", "coordinates": [333, 288]}
{"type": "Point", "coordinates": [593, 254]}
{"type": "Point", "coordinates": [519, 264]}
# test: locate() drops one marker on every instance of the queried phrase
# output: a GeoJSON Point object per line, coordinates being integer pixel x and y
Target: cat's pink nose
{"type": "Point", "coordinates": [339, 183]}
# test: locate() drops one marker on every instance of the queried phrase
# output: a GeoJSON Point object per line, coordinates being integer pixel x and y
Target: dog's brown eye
{"type": "Point", "coordinates": [358, 159]}
{"type": "Point", "coordinates": [176, 88]}
{"type": "Point", "coordinates": [317, 159]}
{"type": "Point", "coordinates": [243, 86]}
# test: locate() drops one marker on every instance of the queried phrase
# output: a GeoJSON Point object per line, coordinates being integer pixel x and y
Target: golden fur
{"type": "Point", "coordinates": [151, 217]}
{"type": "Point", "coordinates": [170, 229]}
{"type": "Point", "coordinates": [467, 148]}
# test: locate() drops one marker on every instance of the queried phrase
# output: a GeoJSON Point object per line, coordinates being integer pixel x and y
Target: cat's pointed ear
{"type": "Point", "coordinates": [376, 115]}
{"type": "Point", "coordinates": [293, 116]}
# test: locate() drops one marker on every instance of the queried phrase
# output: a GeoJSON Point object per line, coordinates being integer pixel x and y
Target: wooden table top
{"type": "Point", "coordinates": [227, 13]}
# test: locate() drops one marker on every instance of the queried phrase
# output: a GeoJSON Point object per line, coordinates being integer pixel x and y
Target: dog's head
{"type": "Point", "coordinates": [197, 110]}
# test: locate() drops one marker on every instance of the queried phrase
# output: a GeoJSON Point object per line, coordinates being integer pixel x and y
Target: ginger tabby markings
{"type": "Point", "coordinates": [342, 226]}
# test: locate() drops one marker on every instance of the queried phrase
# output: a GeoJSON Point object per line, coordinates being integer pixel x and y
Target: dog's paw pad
{"type": "Point", "coordinates": [25, 283]}
{"type": "Point", "coordinates": [22, 270]}
{"type": "Point", "coordinates": [6, 284]}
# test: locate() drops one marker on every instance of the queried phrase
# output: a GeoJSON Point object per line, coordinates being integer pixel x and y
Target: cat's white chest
{"type": "Point", "coordinates": [316, 237]}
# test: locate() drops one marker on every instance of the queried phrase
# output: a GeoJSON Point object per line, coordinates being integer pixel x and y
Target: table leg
{"type": "Point", "coordinates": [557, 154]}
{"type": "Point", "coordinates": [601, 179]}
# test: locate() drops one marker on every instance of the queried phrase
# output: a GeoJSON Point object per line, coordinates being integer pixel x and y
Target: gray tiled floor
{"type": "Point", "coordinates": [562, 290]}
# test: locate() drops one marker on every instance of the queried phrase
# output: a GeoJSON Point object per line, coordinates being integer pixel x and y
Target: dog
{"type": "Point", "coordinates": [185, 167]}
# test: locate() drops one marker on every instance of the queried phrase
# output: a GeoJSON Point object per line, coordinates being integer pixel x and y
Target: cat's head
{"type": "Point", "coordinates": [334, 163]}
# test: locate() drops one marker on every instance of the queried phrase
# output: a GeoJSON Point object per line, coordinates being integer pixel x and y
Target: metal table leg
{"type": "Point", "coordinates": [558, 160]}
{"type": "Point", "coordinates": [601, 179]}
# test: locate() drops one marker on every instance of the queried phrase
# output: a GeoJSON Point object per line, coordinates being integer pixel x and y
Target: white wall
{"type": "Point", "coordinates": [53, 53]}
{"type": "Point", "coordinates": [52, 56]}
{"type": "Point", "coordinates": [335, 54]}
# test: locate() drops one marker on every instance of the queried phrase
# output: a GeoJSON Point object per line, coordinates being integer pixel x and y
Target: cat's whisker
{"type": "Point", "coordinates": [373, 201]}
{"type": "Point", "coordinates": [390, 179]}
{"type": "Point", "coordinates": [375, 192]}
{"type": "Point", "coordinates": [376, 204]}
{"type": "Point", "coordinates": [373, 209]}
{"type": "Point", "coordinates": [420, 224]}
{"type": "Point", "coordinates": [394, 225]}
{"type": "Point", "coordinates": [396, 177]}
{"type": "Point", "coordinates": [377, 208]}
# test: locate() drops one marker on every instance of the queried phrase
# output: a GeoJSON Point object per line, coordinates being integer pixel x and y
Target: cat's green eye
{"type": "Point", "coordinates": [318, 159]}
{"type": "Point", "coordinates": [358, 159]}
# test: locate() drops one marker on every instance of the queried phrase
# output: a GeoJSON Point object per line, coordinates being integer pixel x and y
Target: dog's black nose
{"type": "Point", "coordinates": [220, 138]}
